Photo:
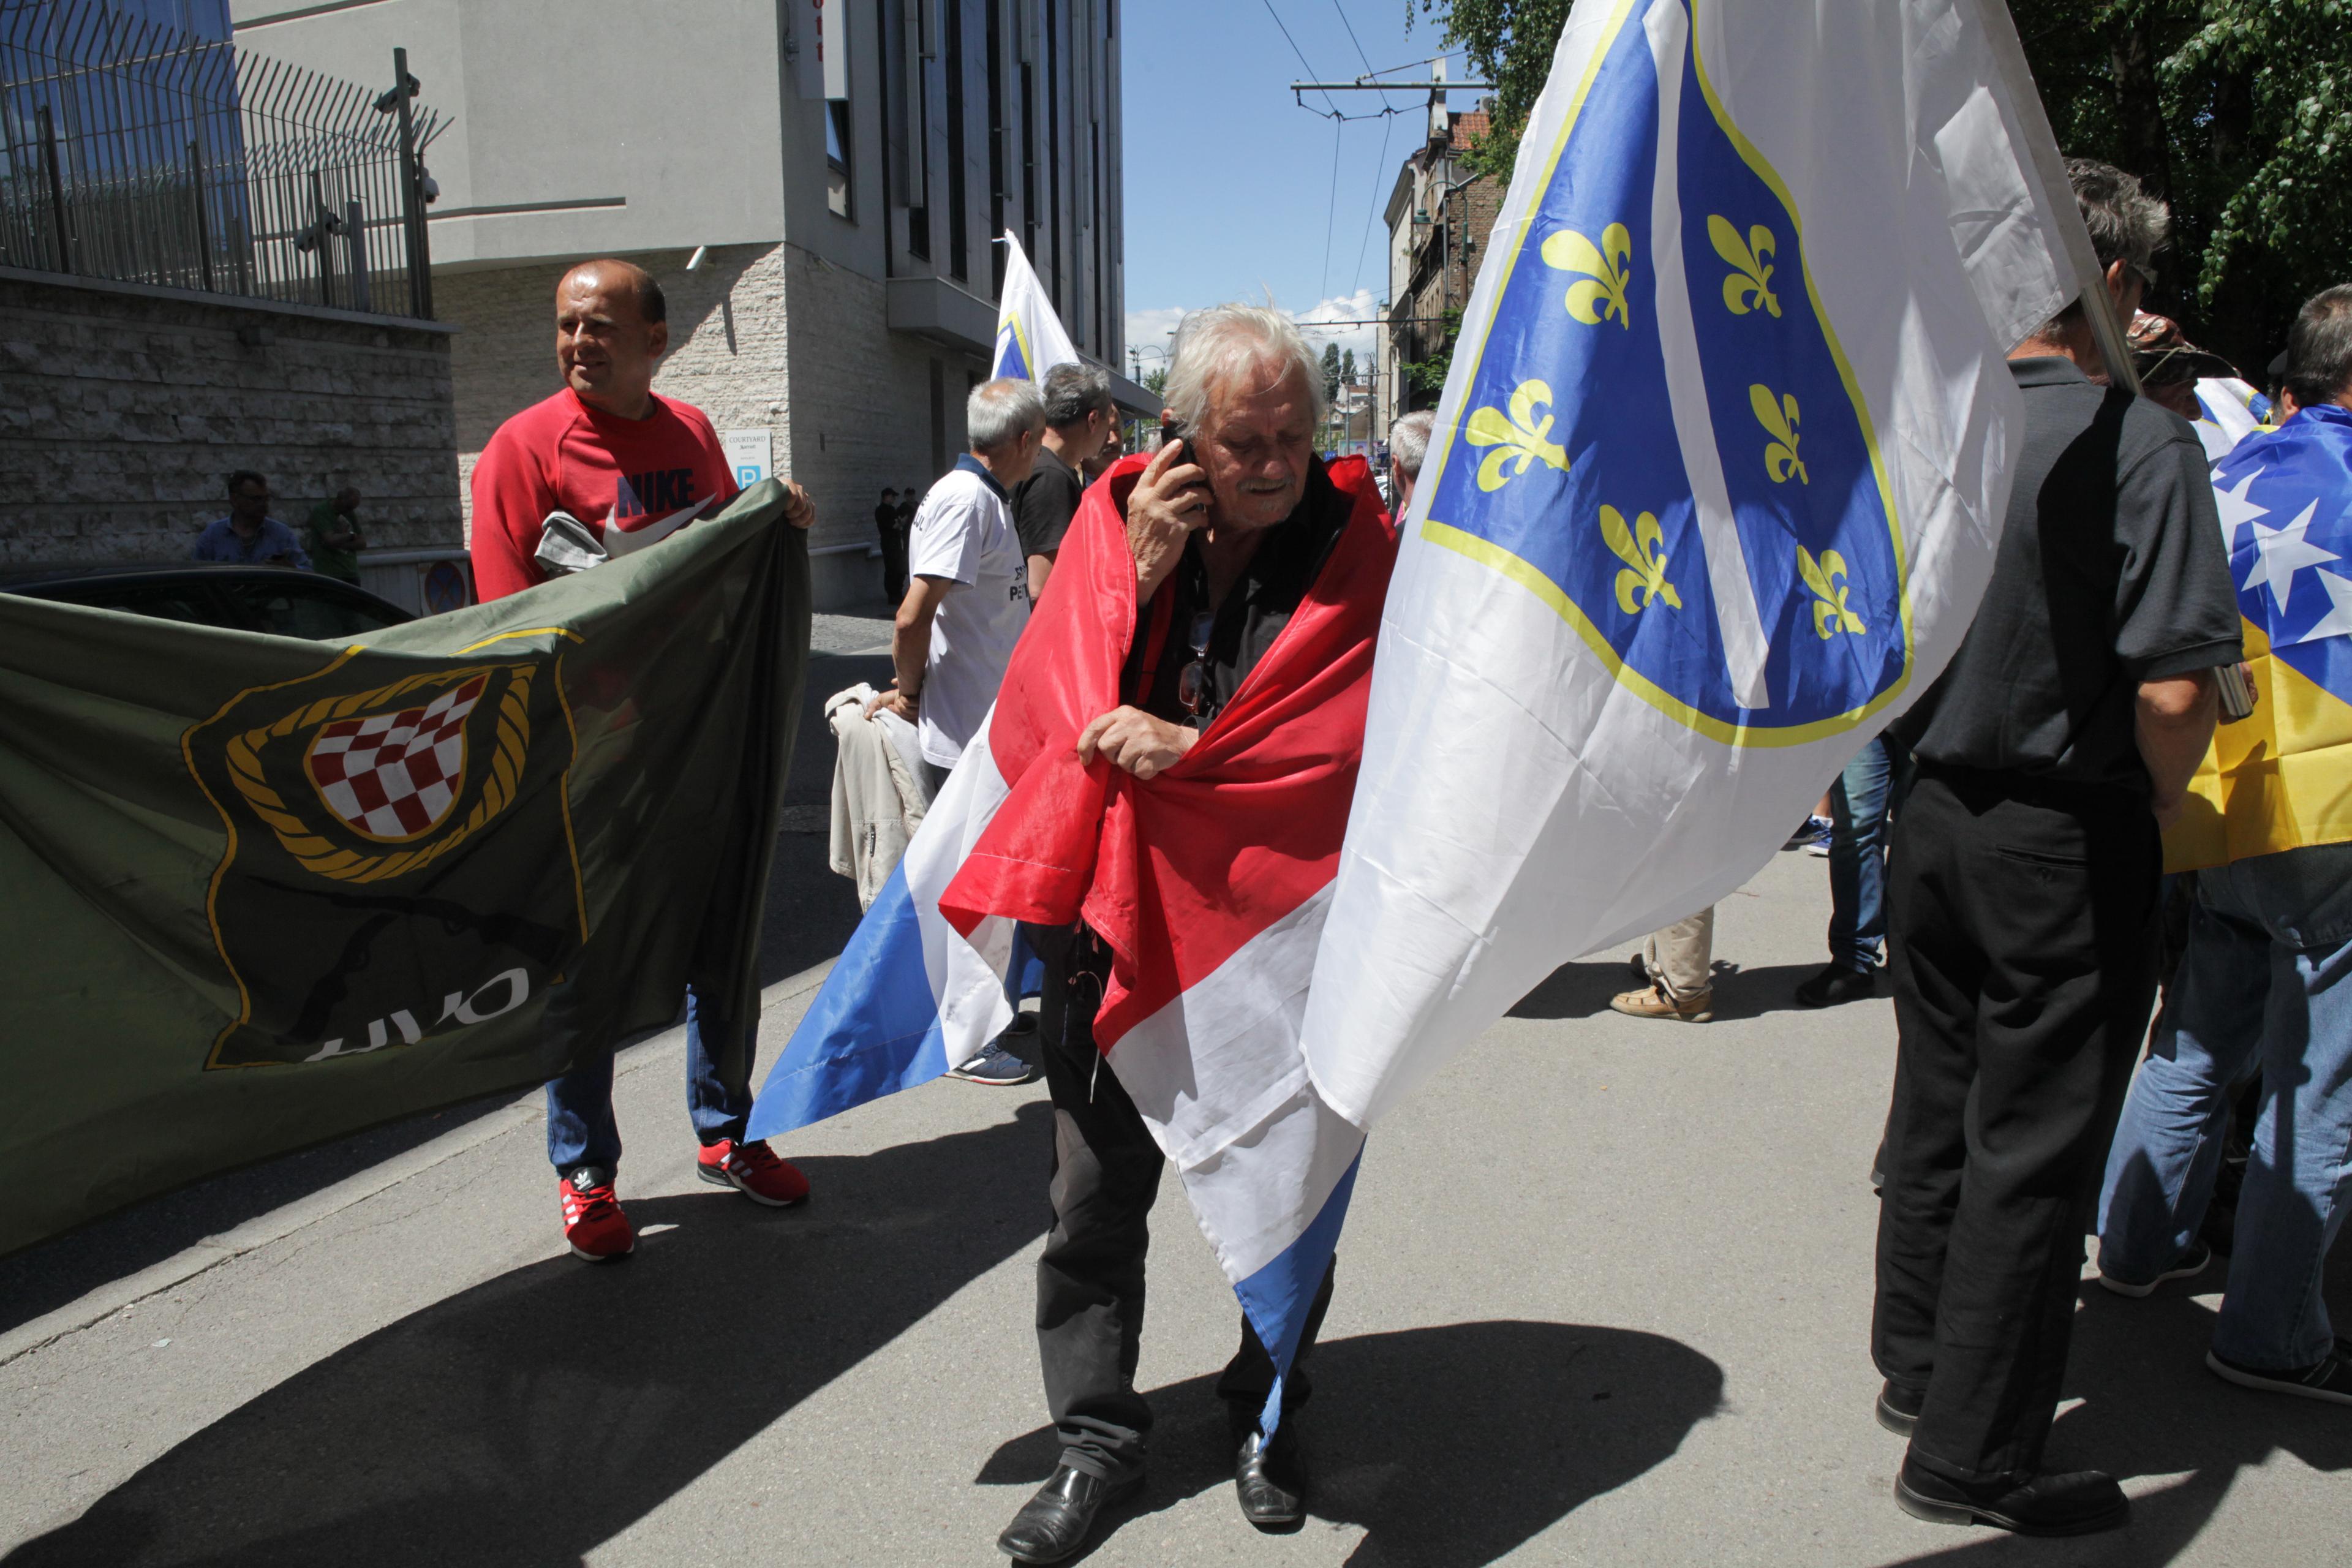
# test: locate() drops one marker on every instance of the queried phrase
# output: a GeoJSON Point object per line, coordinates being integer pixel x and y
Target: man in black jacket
{"type": "Point", "coordinates": [2023, 891]}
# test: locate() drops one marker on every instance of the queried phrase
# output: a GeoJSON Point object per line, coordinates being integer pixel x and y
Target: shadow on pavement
{"type": "Point", "coordinates": [1451, 1445]}
{"type": "Point", "coordinates": [526, 1421]}
{"type": "Point", "coordinates": [1582, 990]}
{"type": "Point", "coordinates": [2150, 1408]}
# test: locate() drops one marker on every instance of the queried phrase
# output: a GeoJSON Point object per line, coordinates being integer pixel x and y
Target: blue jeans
{"type": "Point", "coordinates": [2265, 985]}
{"type": "Point", "coordinates": [1865, 796]}
{"type": "Point", "coordinates": [580, 1126]}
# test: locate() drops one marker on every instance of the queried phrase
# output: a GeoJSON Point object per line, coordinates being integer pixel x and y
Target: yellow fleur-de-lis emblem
{"type": "Point", "coordinates": [1750, 286]}
{"type": "Point", "coordinates": [1607, 275]}
{"type": "Point", "coordinates": [1827, 580]}
{"type": "Point", "coordinates": [1778, 417]}
{"type": "Point", "coordinates": [1644, 581]}
{"type": "Point", "coordinates": [1521, 438]}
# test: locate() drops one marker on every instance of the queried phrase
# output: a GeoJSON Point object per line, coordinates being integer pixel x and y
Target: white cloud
{"type": "Point", "coordinates": [1147, 333]}
{"type": "Point", "coordinates": [1346, 320]}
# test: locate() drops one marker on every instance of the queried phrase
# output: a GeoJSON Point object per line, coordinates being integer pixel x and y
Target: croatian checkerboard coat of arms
{"type": "Point", "coordinates": [361, 802]}
{"type": "Point", "coordinates": [393, 776]}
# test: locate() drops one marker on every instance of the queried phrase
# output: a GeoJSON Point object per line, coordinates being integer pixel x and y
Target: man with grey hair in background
{"type": "Point", "coordinates": [967, 601]}
{"type": "Point", "coordinates": [1233, 529]}
{"type": "Point", "coordinates": [2023, 890]}
{"type": "Point", "coordinates": [1079, 419]}
{"type": "Point", "coordinates": [1408, 445]}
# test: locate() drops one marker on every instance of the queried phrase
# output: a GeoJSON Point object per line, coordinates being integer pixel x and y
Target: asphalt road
{"type": "Point", "coordinates": [1603, 1298]}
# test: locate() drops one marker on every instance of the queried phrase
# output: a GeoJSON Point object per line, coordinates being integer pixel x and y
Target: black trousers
{"type": "Point", "coordinates": [894, 565]}
{"type": "Point", "coordinates": [1107, 1172]}
{"type": "Point", "coordinates": [2022, 951]}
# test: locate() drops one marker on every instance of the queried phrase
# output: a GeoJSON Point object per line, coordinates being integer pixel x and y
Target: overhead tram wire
{"type": "Point", "coordinates": [1352, 39]}
{"type": "Point", "coordinates": [1379, 168]}
{"type": "Point", "coordinates": [1331, 214]}
{"type": "Point", "coordinates": [1299, 52]}
{"type": "Point", "coordinates": [1331, 208]}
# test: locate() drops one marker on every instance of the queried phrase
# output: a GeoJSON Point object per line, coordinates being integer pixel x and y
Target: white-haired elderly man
{"type": "Point", "coordinates": [1232, 531]}
{"type": "Point", "coordinates": [967, 601]}
{"type": "Point", "coordinates": [1408, 445]}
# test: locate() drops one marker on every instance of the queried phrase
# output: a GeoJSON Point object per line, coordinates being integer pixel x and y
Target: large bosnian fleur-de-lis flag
{"type": "Point", "coordinates": [2283, 778]}
{"type": "Point", "coordinates": [1716, 481]}
{"type": "Point", "coordinates": [1029, 336]}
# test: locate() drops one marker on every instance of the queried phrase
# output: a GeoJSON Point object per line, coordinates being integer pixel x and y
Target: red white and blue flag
{"type": "Point", "coordinates": [1207, 884]}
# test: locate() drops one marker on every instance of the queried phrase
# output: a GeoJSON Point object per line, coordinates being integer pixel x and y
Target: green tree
{"type": "Point", "coordinates": [1425, 379]}
{"type": "Point", "coordinates": [1348, 368]}
{"type": "Point", "coordinates": [2237, 112]}
{"type": "Point", "coordinates": [1330, 370]}
{"type": "Point", "coordinates": [1510, 44]}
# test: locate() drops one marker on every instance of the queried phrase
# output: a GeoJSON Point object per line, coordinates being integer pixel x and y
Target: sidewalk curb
{"type": "Point", "coordinates": [278, 1224]}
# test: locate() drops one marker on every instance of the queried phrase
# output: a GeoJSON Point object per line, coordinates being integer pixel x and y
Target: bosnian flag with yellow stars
{"type": "Point", "coordinates": [2283, 778]}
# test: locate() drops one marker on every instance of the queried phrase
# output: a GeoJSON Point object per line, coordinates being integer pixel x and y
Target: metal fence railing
{"type": "Point", "coordinates": [134, 151]}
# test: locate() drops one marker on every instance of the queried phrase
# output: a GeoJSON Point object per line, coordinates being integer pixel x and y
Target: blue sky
{"type": "Point", "coordinates": [1230, 186]}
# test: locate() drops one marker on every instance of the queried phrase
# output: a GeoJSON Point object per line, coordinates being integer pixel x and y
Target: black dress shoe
{"type": "Point", "coordinates": [1837, 983]}
{"type": "Point", "coordinates": [1898, 1408]}
{"type": "Point", "coordinates": [1270, 1479]}
{"type": "Point", "coordinates": [2076, 1503]}
{"type": "Point", "coordinates": [1053, 1524]}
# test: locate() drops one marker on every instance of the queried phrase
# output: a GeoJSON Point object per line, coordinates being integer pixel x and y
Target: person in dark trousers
{"type": "Point", "coordinates": [2024, 892]}
{"type": "Point", "coordinates": [1235, 528]}
{"type": "Point", "coordinates": [891, 528]}
{"type": "Point", "coordinates": [1081, 419]}
{"type": "Point", "coordinates": [1863, 801]}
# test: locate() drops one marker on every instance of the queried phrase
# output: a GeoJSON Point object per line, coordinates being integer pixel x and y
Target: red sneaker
{"type": "Point", "coordinates": [593, 1221]}
{"type": "Point", "coordinates": [753, 1169]}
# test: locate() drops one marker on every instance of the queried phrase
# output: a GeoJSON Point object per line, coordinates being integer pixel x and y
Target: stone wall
{"type": "Point", "coordinates": [848, 410]}
{"type": "Point", "coordinates": [123, 410]}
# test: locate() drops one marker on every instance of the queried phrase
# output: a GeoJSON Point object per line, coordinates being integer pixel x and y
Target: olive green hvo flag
{"type": "Point", "coordinates": [257, 891]}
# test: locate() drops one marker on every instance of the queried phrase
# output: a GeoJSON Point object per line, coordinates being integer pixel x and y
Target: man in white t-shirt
{"type": "Point", "coordinates": [968, 583]}
{"type": "Point", "coordinates": [967, 600]}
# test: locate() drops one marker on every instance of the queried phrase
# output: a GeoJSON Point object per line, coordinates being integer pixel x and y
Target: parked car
{"type": "Point", "coordinates": [243, 598]}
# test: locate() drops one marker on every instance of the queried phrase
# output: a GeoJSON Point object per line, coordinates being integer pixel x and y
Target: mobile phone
{"type": "Point", "coordinates": [1172, 429]}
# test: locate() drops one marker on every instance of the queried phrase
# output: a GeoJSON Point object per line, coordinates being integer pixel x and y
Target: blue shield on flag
{"type": "Point", "coordinates": [1663, 439]}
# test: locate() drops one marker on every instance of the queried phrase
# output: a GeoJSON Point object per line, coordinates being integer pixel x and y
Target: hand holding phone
{"type": "Point", "coordinates": [1169, 502]}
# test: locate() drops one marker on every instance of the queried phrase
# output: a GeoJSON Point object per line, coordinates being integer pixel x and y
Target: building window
{"type": "Point", "coordinates": [1029, 160]}
{"type": "Point", "coordinates": [836, 156]}
{"type": "Point", "coordinates": [959, 222]}
{"type": "Point", "coordinates": [995, 146]}
{"type": "Point", "coordinates": [1053, 142]}
{"type": "Point", "coordinates": [918, 171]}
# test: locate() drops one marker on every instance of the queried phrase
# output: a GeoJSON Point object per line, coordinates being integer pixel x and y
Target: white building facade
{"type": "Point", "coordinates": [842, 166]}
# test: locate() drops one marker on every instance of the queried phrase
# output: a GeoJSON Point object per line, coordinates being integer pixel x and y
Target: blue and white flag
{"type": "Point", "coordinates": [1716, 481]}
{"type": "Point", "coordinates": [1029, 336]}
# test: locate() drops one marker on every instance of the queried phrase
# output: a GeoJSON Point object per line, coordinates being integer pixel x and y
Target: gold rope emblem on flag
{"type": "Point", "coordinates": [390, 773]}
